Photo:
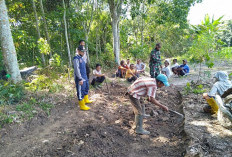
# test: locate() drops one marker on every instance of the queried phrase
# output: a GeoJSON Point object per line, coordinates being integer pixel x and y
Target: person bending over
{"type": "Point", "coordinates": [220, 86]}
{"type": "Point", "coordinates": [145, 87]}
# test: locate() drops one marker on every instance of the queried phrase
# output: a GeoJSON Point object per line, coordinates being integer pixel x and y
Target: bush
{"type": "Point", "coordinates": [140, 52]}
{"type": "Point", "coordinates": [106, 59]}
{"type": "Point", "coordinates": [192, 88]}
{"type": "Point", "coordinates": [10, 93]}
{"type": "Point", "coordinates": [43, 83]}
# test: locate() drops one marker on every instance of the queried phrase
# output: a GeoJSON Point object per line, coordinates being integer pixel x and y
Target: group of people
{"type": "Point", "coordinates": [142, 87]}
{"type": "Point", "coordinates": [156, 67]}
{"type": "Point", "coordinates": [130, 71]}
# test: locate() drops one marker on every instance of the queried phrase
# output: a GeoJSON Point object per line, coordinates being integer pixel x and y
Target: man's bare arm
{"type": "Point", "coordinates": [157, 103]}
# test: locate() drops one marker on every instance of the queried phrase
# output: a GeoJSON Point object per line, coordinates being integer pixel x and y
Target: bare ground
{"type": "Point", "coordinates": [105, 130]}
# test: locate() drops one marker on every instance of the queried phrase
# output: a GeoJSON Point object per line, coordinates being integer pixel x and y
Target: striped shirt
{"type": "Point", "coordinates": [143, 87]}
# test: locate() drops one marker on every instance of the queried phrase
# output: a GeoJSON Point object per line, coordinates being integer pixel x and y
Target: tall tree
{"type": "Point", "coordinates": [86, 11]}
{"type": "Point", "coordinates": [115, 12]}
{"type": "Point", "coordinates": [45, 25]}
{"type": "Point", "coordinates": [66, 35]}
{"type": "Point", "coordinates": [8, 48]}
{"type": "Point", "coordinates": [37, 27]}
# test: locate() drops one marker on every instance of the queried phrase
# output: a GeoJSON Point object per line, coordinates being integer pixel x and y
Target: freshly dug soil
{"type": "Point", "coordinates": [104, 131]}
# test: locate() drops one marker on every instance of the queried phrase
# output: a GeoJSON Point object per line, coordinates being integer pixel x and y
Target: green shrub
{"type": "Point", "coordinates": [191, 88]}
{"type": "Point", "coordinates": [46, 107]}
{"type": "Point", "coordinates": [139, 51]}
{"type": "Point", "coordinates": [55, 61]}
{"type": "Point", "coordinates": [44, 83]}
{"type": "Point", "coordinates": [10, 93]}
{"type": "Point", "coordinates": [28, 110]}
{"type": "Point", "coordinates": [6, 119]}
{"type": "Point", "coordinates": [106, 59]}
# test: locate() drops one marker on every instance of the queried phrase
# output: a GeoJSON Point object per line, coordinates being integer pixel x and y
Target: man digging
{"type": "Point", "coordinates": [141, 88]}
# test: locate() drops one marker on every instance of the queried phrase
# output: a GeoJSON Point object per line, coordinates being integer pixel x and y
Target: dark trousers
{"type": "Point", "coordinates": [131, 79]}
{"type": "Point", "coordinates": [87, 70]}
{"type": "Point", "coordinates": [98, 79]}
{"type": "Point", "coordinates": [120, 73]}
{"type": "Point", "coordinates": [181, 72]}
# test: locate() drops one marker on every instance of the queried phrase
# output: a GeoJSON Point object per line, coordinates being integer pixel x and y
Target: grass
{"type": "Point", "coordinates": [25, 111]}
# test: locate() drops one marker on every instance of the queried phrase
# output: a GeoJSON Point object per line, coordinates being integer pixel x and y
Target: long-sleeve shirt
{"type": "Point", "coordinates": [155, 58]}
{"type": "Point", "coordinates": [221, 85]}
{"type": "Point", "coordinates": [79, 68]}
{"type": "Point", "coordinates": [140, 66]}
{"type": "Point", "coordinates": [185, 68]}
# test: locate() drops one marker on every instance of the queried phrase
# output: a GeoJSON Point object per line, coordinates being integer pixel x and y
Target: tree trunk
{"type": "Point", "coordinates": [199, 76]}
{"type": "Point", "coordinates": [142, 28]}
{"type": "Point", "coordinates": [87, 47]}
{"type": "Point", "coordinates": [115, 12]}
{"type": "Point", "coordinates": [66, 36]}
{"type": "Point", "coordinates": [45, 25]}
{"type": "Point", "coordinates": [37, 28]}
{"type": "Point", "coordinates": [8, 48]}
{"type": "Point", "coordinates": [116, 41]}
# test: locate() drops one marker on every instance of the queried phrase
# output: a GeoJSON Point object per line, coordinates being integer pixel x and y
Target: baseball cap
{"type": "Point", "coordinates": [81, 48]}
{"type": "Point", "coordinates": [163, 78]}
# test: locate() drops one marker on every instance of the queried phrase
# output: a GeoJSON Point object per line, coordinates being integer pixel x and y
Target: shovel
{"type": "Point", "coordinates": [181, 116]}
{"type": "Point", "coordinates": [107, 87]}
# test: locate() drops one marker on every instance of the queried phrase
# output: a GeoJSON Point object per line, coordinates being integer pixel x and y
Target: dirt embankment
{"type": "Point", "coordinates": [207, 137]}
{"type": "Point", "coordinates": [105, 130]}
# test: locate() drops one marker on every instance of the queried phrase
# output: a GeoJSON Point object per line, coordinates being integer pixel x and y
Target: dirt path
{"type": "Point", "coordinates": [105, 130]}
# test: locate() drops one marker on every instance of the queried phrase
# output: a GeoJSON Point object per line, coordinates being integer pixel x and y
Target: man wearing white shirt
{"type": "Point", "coordinates": [98, 77]}
{"type": "Point", "coordinates": [175, 66]}
{"type": "Point", "coordinates": [166, 70]}
{"type": "Point", "coordinates": [140, 66]}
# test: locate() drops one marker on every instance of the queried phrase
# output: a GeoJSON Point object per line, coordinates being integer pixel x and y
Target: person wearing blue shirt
{"type": "Point", "coordinates": [81, 79]}
{"type": "Point", "coordinates": [183, 69]}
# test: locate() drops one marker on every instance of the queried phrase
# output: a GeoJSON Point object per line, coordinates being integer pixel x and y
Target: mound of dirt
{"type": "Point", "coordinates": [105, 130]}
{"type": "Point", "coordinates": [207, 137]}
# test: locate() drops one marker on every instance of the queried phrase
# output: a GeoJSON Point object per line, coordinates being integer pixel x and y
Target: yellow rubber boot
{"type": "Point", "coordinates": [213, 104]}
{"type": "Point", "coordinates": [87, 101]}
{"type": "Point", "coordinates": [83, 106]}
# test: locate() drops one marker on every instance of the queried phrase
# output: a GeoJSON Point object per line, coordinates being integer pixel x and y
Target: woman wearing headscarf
{"type": "Point", "coordinates": [220, 86]}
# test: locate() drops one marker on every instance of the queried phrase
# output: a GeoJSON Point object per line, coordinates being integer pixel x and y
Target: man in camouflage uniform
{"type": "Point", "coordinates": [155, 61]}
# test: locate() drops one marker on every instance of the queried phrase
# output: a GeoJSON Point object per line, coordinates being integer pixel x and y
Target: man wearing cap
{"type": "Point", "coordinates": [85, 58]}
{"type": "Point", "coordinates": [183, 69]}
{"type": "Point", "coordinates": [145, 87]}
{"type": "Point", "coordinates": [81, 79]}
{"type": "Point", "coordinates": [155, 61]}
